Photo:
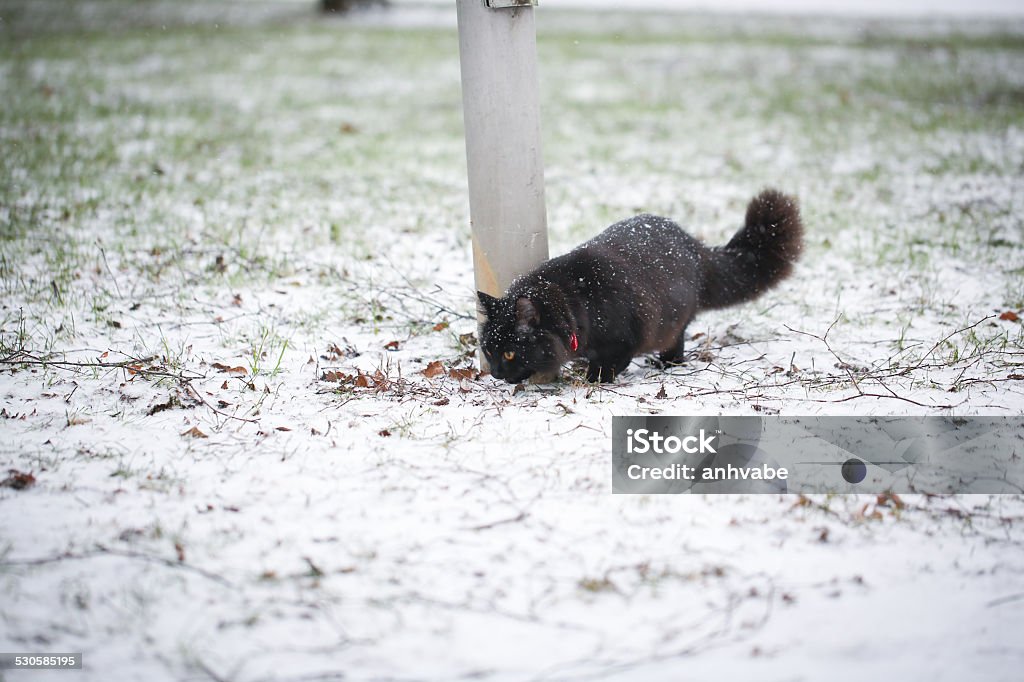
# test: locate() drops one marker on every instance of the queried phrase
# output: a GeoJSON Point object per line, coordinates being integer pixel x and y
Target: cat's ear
{"type": "Point", "coordinates": [487, 303]}
{"type": "Point", "coordinates": [527, 316]}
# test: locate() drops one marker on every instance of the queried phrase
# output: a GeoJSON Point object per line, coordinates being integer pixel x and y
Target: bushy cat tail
{"type": "Point", "coordinates": [758, 257]}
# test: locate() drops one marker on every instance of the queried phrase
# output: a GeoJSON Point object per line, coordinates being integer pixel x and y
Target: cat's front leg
{"type": "Point", "coordinates": [604, 368]}
{"type": "Point", "coordinates": [675, 355]}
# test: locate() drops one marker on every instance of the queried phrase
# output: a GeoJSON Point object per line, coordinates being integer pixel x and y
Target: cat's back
{"type": "Point", "coordinates": [645, 238]}
{"type": "Point", "coordinates": [646, 254]}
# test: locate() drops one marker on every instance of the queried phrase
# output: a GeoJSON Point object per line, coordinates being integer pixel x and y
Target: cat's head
{"type": "Point", "coordinates": [523, 337]}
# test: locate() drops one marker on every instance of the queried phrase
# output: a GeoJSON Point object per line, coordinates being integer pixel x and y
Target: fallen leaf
{"type": "Point", "coordinates": [391, 345]}
{"type": "Point", "coordinates": [172, 401]}
{"type": "Point", "coordinates": [1009, 316]}
{"type": "Point", "coordinates": [224, 386]}
{"type": "Point", "coordinates": [885, 499]}
{"type": "Point", "coordinates": [194, 432]}
{"type": "Point", "coordinates": [283, 428]}
{"type": "Point", "coordinates": [467, 373]}
{"type": "Point", "coordinates": [220, 367]}
{"type": "Point", "coordinates": [442, 402]}
{"type": "Point", "coordinates": [335, 377]}
{"type": "Point", "coordinates": [662, 393]}
{"type": "Point", "coordinates": [362, 381]}
{"type": "Point", "coordinates": [18, 480]}
{"type": "Point", "coordinates": [434, 369]}
{"type": "Point", "coordinates": [441, 326]}
{"type": "Point", "coordinates": [383, 433]}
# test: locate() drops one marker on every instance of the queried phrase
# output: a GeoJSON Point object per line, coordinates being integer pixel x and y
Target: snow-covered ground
{"type": "Point", "coordinates": [231, 244]}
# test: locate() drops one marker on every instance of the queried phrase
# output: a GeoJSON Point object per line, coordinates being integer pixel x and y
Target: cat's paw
{"type": "Point", "coordinates": [659, 362]}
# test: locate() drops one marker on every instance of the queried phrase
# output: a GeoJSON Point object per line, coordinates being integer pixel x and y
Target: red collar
{"type": "Point", "coordinates": [574, 343]}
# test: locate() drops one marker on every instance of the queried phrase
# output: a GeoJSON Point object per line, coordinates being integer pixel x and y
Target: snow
{"type": "Point", "coordinates": [437, 528]}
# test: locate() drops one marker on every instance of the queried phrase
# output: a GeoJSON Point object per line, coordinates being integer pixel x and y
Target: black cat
{"type": "Point", "coordinates": [633, 289]}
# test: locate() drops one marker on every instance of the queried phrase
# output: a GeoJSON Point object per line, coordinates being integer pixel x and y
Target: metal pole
{"type": "Point", "coordinates": [501, 111]}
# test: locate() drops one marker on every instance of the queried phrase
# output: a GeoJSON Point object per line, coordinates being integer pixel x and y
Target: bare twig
{"type": "Point", "coordinates": [101, 550]}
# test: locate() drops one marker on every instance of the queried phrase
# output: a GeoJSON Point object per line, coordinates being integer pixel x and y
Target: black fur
{"type": "Point", "coordinates": [633, 289]}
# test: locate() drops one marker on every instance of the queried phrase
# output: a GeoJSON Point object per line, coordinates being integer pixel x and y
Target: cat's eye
{"type": "Point", "coordinates": [509, 355]}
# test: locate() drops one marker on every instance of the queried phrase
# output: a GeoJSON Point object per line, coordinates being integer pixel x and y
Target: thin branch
{"type": "Point", "coordinates": [101, 550]}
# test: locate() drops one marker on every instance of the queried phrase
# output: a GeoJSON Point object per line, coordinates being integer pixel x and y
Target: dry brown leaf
{"type": "Point", "coordinates": [170, 403]}
{"type": "Point", "coordinates": [441, 326]}
{"type": "Point", "coordinates": [18, 480]}
{"type": "Point", "coordinates": [1009, 316]}
{"type": "Point", "coordinates": [391, 345]}
{"type": "Point", "coordinates": [220, 367]}
{"type": "Point", "coordinates": [434, 369]}
{"type": "Point", "coordinates": [885, 499]}
{"type": "Point", "coordinates": [662, 393]}
{"type": "Point", "coordinates": [362, 381]}
{"type": "Point", "coordinates": [194, 432]}
{"type": "Point", "coordinates": [467, 373]}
